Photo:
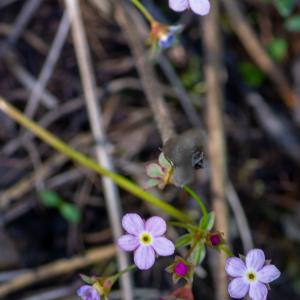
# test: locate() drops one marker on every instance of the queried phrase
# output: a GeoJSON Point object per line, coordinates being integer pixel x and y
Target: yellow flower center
{"type": "Point", "coordinates": [251, 276]}
{"type": "Point", "coordinates": [146, 238]}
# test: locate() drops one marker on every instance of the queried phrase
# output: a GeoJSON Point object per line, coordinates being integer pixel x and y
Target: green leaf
{"type": "Point", "coordinates": [70, 212]}
{"type": "Point", "coordinates": [199, 254]}
{"type": "Point", "coordinates": [183, 241]}
{"type": "Point", "coordinates": [207, 221]}
{"type": "Point", "coordinates": [277, 49]}
{"type": "Point", "coordinates": [293, 24]}
{"type": "Point", "coordinates": [284, 7]}
{"type": "Point", "coordinates": [251, 74]}
{"type": "Point", "coordinates": [184, 225]}
{"type": "Point", "coordinates": [50, 198]}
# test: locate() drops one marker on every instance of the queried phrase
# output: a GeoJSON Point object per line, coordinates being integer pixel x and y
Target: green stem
{"type": "Point", "coordinates": [143, 10]}
{"type": "Point", "coordinates": [227, 250]}
{"type": "Point", "coordinates": [197, 198]}
{"type": "Point", "coordinates": [84, 160]}
{"type": "Point", "coordinates": [129, 268]}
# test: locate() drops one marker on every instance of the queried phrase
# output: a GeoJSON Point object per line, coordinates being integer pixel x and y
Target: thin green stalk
{"type": "Point", "coordinates": [129, 268]}
{"type": "Point", "coordinates": [227, 250]}
{"type": "Point", "coordinates": [84, 160]}
{"type": "Point", "coordinates": [197, 198]}
{"type": "Point", "coordinates": [143, 10]}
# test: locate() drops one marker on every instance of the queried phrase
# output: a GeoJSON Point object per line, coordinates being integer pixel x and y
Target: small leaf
{"type": "Point", "coordinates": [207, 221]}
{"type": "Point", "coordinates": [199, 254]}
{"type": "Point", "coordinates": [70, 212]}
{"type": "Point", "coordinates": [293, 24]}
{"type": "Point", "coordinates": [87, 279]}
{"type": "Point", "coordinates": [251, 74]}
{"type": "Point", "coordinates": [50, 198]}
{"type": "Point", "coordinates": [278, 48]}
{"type": "Point", "coordinates": [183, 241]}
{"type": "Point", "coordinates": [284, 7]}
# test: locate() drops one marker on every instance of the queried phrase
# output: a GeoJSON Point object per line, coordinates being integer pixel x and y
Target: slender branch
{"type": "Point", "coordinates": [196, 198]}
{"type": "Point", "coordinates": [82, 159]}
{"type": "Point", "coordinates": [111, 193]}
{"type": "Point", "coordinates": [143, 10]}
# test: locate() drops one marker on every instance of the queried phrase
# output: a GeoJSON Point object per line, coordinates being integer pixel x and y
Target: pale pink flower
{"type": "Point", "coordinates": [251, 276]}
{"type": "Point", "coordinates": [199, 7]}
{"type": "Point", "coordinates": [146, 239]}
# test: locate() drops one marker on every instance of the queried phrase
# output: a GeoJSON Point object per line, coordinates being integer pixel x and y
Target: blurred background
{"type": "Point", "coordinates": [52, 209]}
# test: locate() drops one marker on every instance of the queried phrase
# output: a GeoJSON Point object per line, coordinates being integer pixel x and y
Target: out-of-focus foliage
{"type": "Point", "coordinates": [67, 210]}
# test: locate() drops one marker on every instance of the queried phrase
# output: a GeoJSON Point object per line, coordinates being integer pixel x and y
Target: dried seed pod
{"type": "Point", "coordinates": [186, 153]}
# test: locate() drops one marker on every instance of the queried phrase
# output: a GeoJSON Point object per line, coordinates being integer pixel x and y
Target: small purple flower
{"type": "Point", "coordinates": [87, 292]}
{"type": "Point", "coordinates": [145, 238]}
{"type": "Point", "coordinates": [251, 276]}
{"type": "Point", "coordinates": [199, 7]}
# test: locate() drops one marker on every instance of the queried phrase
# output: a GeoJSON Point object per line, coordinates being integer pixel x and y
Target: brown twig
{"type": "Point", "coordinates": [57, 268]}
{"type": "Point", "coordinates": [216, 139]}
{"type": "Point", "coordinates": [149, 81]}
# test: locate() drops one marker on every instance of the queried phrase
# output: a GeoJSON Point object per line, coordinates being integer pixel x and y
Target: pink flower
{"type": "Point", "coordinates": [145, 238]}
{"type": "Point", "coordinates": [251, 276]}
{"type": "Point", "coordinates": [87, 292]}
{"type": "Point", "coordinates": [199, 7]}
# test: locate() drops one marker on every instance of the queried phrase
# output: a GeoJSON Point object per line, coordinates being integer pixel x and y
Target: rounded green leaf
{"type": "Point", "coordinates": [70, 212]}
{"type": "Point", "coordinates": [50, 198]}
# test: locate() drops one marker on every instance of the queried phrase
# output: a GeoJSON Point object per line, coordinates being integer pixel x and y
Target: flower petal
{"type": "Point", "coordinates": [128, 242]}
{"type": "Point", "coordinates": [144, 257]}
{"type": "Point", "coordinates": [133, 224]}
{"type": "Point", "coordinates": [179, 5]}
{"type": "Point", "coordinates": [200, 7]}
{"type": "Point", "coordinates": [154, 171]}
{"type": "Point", "coordinates": [156, 226]}
{"type": "Point", "coordinates": [163, 246]}
{"type": "Point", "coordinates": [162, 159]}
{"type": "Point", "coordinates": [258, 291]}
{"type": "Point", "coordinates": [238, 288]}
{"type": "Point", "coordinates": [152, 183]}
{"type": "Point", "coordinates": [268, 273]}
{"type": "Point", "coordinates": [87, 292]}
{"type": "Point", "coordinates": [255, 259]}
{"type": "Point", "coordinates": [235, 267]}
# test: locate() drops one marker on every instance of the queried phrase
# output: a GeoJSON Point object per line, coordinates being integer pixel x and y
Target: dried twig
{"type": "Point", "coordinates": [29, 81]}
{"type": "Point", "coordinates": [89, 85]}
{"type": "Point", "coordinates": [57, 268]}
{"type": "Point", "coordinates": [48, 66]}
{"type": "Point", "coordinates": [22, 20]}
{"type": "Point", "coordinates": [149, 81]}
{"type": "Point", "coordinates": [216, 139]}
{"type": "Point", "coordinates": [258, 53]}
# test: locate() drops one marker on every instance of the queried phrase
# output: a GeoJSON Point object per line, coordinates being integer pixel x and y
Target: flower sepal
{"type": "Point", "coordinates": [181, 269]}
